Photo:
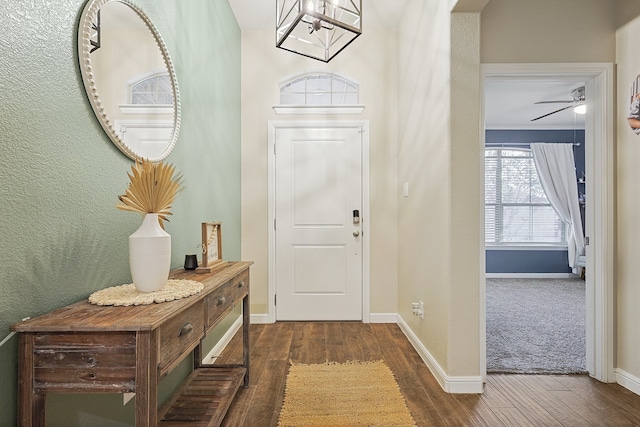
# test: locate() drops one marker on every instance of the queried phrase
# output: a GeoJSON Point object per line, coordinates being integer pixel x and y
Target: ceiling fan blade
{"type": "Point", "coordinates": [553, 112]}
{"type": "Point", "coordinates": [553, 102]}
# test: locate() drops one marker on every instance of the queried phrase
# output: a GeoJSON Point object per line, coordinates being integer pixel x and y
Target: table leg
{"type": "Point", "coordinates": [146, 379]}
{"type": "Point", "coordinates": [31, 405]}
{"type": "Point", "coordinates": [246, 323]}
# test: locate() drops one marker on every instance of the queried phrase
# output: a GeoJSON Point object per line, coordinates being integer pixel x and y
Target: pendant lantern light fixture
{"type": "Point", "coordinates": [318, 29]}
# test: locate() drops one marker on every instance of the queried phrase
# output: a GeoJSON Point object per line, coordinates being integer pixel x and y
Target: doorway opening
{"type": "Point", "coordinates": [598, 139]}
{"type": "Point", "coordinates": [535, 305]}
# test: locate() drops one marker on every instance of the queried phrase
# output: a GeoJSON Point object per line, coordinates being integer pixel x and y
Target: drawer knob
{"type": "Point", "coordinates": [92, 361]}
{"type": "Point", "coordinates": [241, 284]}
{"type": "Point", "coordinates": [221, 300]}
{"type": "Point", "coordinates": [186, 329]}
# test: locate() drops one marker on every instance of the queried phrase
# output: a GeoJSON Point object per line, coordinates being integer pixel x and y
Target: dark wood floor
{"type": "Point", "coordinates": [508, 400]}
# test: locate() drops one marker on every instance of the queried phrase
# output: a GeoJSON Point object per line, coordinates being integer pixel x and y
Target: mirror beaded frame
{"type": "Point", "coordinates": [88, 18]}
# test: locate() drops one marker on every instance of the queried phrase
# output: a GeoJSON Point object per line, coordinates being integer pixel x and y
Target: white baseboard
{"type": "Point", "coordinates": [259, 319]}
{"type": "Point", "coordinates": [383, 318]}
{"type": "Point", "coordinates": [531, 276]}
{"type": "Point", "coordinates": [628, 381]}
{"type": "Point", "coordinates": [448, 383]}
{"type": "Point", "coordinates": [224, 341]}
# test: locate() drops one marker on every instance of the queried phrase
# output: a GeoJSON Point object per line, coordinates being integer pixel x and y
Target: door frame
{"type": "Point", "coordinates": [274, 125]}
{"type": "Point", "coordinates": [599, 151]}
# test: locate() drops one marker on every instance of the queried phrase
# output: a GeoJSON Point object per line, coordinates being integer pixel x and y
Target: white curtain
{"type": "Point", "coordinates": [557, 171]}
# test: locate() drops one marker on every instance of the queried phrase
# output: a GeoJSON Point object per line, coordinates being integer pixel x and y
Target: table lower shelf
{"type": "Point", "coordinates": [204, 398]}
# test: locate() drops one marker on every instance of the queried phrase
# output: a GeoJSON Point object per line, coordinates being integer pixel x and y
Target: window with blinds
{"type": "Point", "coordinates": [517, 211]}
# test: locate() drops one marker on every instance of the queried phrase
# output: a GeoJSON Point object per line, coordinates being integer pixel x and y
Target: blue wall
{"type": "Point", "coordinates": [525, 261]}
{"type": "Point", "coordinates": [534, 261]}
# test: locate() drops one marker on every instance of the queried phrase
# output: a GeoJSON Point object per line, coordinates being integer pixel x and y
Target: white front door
{"type": "Point", "coordinates": [318, 243]}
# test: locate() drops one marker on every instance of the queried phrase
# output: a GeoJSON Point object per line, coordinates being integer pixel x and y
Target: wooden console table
{"type": "Point", "coordinates": [84, 348]}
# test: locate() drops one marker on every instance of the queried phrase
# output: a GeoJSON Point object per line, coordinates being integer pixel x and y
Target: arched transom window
{"type": "Point", "coordinates": [153, 90]}
{"type": "Point", "coordinates": [318, 89]}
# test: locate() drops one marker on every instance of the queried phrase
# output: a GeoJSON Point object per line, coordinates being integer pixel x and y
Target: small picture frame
{"type": "Point", "coordinates": [211, 244]}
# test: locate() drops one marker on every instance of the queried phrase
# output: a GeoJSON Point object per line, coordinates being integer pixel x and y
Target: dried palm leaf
{"type": "Point", "coordinates": [152, 189]}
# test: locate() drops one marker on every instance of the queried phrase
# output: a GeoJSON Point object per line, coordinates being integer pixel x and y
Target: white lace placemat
{"type": "Point", "coordinates": [124, 295]}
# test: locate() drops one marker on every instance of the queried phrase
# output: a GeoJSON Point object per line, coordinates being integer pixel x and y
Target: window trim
{"type": "Point", "coordinates": [526, 247]}
{"type": "Point", "coordinates": [325, 110]}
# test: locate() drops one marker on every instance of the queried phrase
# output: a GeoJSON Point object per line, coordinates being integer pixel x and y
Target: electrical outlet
{"type": "Point", "coordinates": [415, 307]}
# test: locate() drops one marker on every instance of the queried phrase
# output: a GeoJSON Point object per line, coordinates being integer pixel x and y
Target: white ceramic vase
{"type": "Point", "coordinates": [150, 255]}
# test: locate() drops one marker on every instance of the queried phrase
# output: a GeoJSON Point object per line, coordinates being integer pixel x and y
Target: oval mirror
{"type": "Point", "coordinates": [129, 78]}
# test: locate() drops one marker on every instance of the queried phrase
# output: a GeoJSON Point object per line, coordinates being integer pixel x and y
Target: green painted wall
{"type": "Point", "coordinates": [61, 237]}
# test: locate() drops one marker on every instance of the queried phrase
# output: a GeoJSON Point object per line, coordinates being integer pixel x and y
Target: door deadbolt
{"type": "Point", "coordinates": [356, 216]}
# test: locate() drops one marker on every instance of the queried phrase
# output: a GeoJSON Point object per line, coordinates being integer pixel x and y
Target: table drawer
{"type": "Point", "coordinates": [218, 302]}
{"type": "Point", "coordinates": [103, 362]}
{"type": "Point", "coordinates": [180, 335]}
{"type": "Point", "coordinates": [240, 286]}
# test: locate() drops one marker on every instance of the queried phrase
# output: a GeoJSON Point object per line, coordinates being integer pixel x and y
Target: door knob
{"type": "Point", "coordinates": [356, 233]}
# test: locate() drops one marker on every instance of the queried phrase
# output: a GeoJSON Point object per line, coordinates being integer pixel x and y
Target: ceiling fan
{"type": "Point", "coordinates": [578, 99]}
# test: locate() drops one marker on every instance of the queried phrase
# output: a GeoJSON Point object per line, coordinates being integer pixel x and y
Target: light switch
{"type": "Point", "coordinates": [405, 189]}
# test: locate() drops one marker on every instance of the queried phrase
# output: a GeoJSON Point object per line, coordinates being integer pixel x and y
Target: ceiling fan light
{"type": "Point", "coordinates": [580, 109]}
{"type": "Point", "coordinates": [317, 29]}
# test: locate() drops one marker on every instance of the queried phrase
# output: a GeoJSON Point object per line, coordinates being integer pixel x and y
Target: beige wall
{"type": "Point", "coordinates": [467, 261]}
{"type": "Point", "coordinates": [423, 163]}
{"type": "Point", "coordinates": [626, 11]}
{"type": "Point", "coordinates": [423, 158]}
{"type": "Point", "coordinates": [548, 31]}
{"type": "Point", "coordinates": [628, 204]}
{"type": "Point", "coordinates": [369, 60]}
{"type": "Point", "coordinates": [439, 223]}
{"type": "Point", "coordinates": [440, 159]}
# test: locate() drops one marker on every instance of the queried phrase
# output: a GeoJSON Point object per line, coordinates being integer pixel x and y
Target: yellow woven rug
{"type": "Point", "coordinates": [341, 395]}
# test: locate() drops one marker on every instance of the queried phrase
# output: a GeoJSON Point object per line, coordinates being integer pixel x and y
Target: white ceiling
{"type": "Point", "coordinates": [261, 14]}
{"type": "Point", "coordinates": [509, 104]}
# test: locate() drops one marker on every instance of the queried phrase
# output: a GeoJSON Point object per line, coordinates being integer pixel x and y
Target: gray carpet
{"type": "Point", "coordinates": [536, 326]}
